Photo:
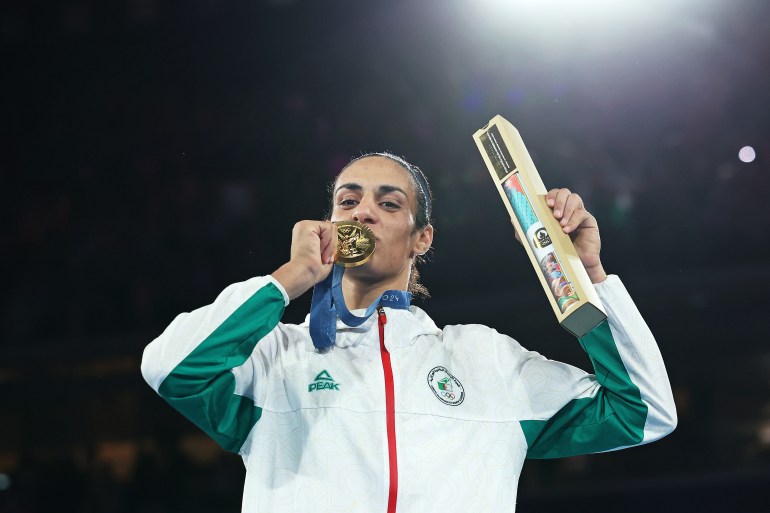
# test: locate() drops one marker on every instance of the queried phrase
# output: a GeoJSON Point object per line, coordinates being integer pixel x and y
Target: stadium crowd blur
{"type": "Point", "coordinates": [154, 152]}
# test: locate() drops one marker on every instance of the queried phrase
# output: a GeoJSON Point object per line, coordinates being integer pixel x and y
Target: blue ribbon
{"type": "Point", "coordinates": [329, 303]}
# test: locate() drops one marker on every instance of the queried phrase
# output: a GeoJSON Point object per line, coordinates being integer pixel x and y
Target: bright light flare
{"type": "Point", "coordinates": [551, 14]}
{"type": "Point", "coordinates": [596, 27]}
{"type": "Point", "coordinates": [747, 154]}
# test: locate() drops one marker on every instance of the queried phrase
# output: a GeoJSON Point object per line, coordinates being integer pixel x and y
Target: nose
{"type": "Point", "coordinates": [364, 211]}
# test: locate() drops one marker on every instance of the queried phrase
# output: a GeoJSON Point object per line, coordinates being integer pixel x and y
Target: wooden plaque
{"type": "Point", "coordinates": [564, 279]}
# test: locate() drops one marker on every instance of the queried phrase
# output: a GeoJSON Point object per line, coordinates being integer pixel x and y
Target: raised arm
{"type": "Point", "coordinates": [198, 361]}
{"type": "Point", "coordinates": [199, 364]}
{"type": "Point", "coordinates": [626, 402]}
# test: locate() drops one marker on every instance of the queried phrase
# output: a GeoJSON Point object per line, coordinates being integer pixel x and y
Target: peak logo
{"type": "Point", "coordinates": [323, 381]}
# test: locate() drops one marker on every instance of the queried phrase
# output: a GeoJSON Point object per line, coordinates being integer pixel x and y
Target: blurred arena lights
{"type": "Point", "coordinates": [747, 154]}
{"type": "Point", "coordinates": [764, 433]}
{"type": "Point", "coordinates": [593, 12]}
{"type": "Point", "coordinates": [597, 28]}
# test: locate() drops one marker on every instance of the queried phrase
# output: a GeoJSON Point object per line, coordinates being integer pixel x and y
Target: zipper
{"type": "Point", "coordinates": [390, 411]}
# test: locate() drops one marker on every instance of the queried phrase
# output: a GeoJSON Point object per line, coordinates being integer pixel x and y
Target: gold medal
{"type": "Point", "coordinates": [355, 244]}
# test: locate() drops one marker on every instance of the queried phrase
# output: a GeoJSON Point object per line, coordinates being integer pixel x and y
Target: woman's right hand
{"type": "Point", "coordinates": [312, 256]}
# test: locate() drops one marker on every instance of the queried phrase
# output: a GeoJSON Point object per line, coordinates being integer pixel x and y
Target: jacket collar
{"type": "Point", "coordinates": [402, 329]}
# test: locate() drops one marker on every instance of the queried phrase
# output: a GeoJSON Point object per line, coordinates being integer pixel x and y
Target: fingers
{"type": "Point", "coordinates": [568, 208]}
{"type": "Point", "coordinates": [580, 218]}
{"type": "Point", "coordinates": [328, 241]}
{"type": "Point", "coordinates": [312, 255]}
{"type": "Point", "coordinates": [313, 242]}
{"type": "Point", "coordinates": [563, 202]}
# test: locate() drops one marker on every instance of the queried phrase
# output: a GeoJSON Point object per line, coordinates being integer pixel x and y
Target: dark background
{"type": "Point", "coordinates": [153, 152]}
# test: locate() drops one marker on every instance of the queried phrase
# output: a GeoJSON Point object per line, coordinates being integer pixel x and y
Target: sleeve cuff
{"type": "Point", "coordinates": [615, 298]}
{"type": "Point", "coordinates": [611, 282]}
{"type": "Point", "coordinates": [279, 287]}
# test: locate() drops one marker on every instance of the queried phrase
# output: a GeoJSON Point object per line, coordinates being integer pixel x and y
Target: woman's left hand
{"type": "Point", "coordinates": [582, 228]}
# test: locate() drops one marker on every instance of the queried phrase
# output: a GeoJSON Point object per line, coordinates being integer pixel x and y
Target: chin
{"type": "Point", "coordinates": [365, 271]}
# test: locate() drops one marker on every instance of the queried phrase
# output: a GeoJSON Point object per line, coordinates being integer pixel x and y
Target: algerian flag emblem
{"type": "Point", "coordinates": [445, 386]}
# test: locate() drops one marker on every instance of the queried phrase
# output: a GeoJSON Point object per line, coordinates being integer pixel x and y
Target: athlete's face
{"type": "Point", "coordinates": [378, 192]}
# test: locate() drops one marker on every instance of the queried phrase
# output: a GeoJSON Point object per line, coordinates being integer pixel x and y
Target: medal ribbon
{"type": "Point", "coordinates": [329, 303]}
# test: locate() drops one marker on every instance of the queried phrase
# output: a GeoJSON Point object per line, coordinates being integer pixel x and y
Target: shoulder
{"type": "Point", "coordinates": [479, 336]}
{"type": "Point", "coordinates": [419, 316]}
{"type": "Point", "coordinates": [464, 333]}
{"type": "Point", "coordinates": [474, 331]}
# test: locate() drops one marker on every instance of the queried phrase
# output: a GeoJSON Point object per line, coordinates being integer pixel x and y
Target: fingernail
{"type": "Point", "coordinates": [550, 202]}
{"type": "Point", "coordinates": [563, 222]}
{"type": "Point", "coordinates": [557, 213]}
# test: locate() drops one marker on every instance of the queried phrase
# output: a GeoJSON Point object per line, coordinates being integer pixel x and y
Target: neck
{"type": "Point", "coordinates": [360, 293]}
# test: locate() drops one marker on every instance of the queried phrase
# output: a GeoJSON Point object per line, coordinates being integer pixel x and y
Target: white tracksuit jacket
{"type": "Point", "coordinates": [435, 420]}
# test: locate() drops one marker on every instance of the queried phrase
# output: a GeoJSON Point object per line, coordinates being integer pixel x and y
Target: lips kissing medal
{"type": "Point", "coordinates": [355, 244]}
